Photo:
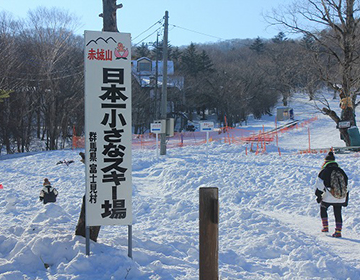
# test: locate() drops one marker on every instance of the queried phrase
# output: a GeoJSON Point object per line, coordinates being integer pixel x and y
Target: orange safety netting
{"type": "Point", "coordinates": [78, 142]}
{"type": "Point", "coordinates": [223, 135]}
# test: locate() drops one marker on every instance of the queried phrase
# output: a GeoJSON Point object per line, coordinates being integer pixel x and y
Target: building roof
{"type": "Point", "coordinates": [147, 78]}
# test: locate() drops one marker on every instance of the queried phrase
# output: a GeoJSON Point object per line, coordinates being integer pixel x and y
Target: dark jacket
{"type": "Point", "coordinates": [48, 194]}
{"type": "Point", "coordinates": [325, 173]}
{"type": "Point", "coordinates": [323, 184]}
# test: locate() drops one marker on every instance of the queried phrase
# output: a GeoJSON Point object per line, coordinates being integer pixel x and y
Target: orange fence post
{"type": "Point", "coordinates": [73, 138]}
{"type": "Point", "coordinates": [264, 150]}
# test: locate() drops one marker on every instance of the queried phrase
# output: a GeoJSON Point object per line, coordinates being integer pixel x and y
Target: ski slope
{"type": "Point", "coordinates": [269, 224]}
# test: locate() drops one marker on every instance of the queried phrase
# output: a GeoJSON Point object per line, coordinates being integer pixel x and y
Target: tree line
{"type": "Point", "coordinates": [42, 76]}
{"type": "Point", "coordinates": [42, 81]}
{"type": "Point", "coordinates": [235, 78]}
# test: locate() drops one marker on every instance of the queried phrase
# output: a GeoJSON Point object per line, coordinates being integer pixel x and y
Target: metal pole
{"type": "Point", "coordinates": [87, 236]}
{"type": "Point", "coordinates": [130, 241]}
{"type": "Point", "coordinates": [209, 231]}
{"type": "Point", "coordinates": [164, 84]}
{"type": "Point", "coordinates": [207, 143]}
{"type": "Point", "coordinates": [157, 145]}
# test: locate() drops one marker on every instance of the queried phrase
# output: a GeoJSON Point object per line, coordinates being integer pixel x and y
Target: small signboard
{"type": "Point", "coordinates": [155, 127]}
{"type": "Point", "coordinates": [345, 124]}
{"type": "Point", "coordinates": [206, 126]}
{"type": "Point", "coordinates": [158, 126]}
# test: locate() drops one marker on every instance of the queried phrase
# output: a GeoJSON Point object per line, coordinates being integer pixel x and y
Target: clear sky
{"type": "Point", "coordinates": [197, 21]}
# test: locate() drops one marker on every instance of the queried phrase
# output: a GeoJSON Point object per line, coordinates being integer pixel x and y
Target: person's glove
{"type": "Point", "coordinates": [318, 194]}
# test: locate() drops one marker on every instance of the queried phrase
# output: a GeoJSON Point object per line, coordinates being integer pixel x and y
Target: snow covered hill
{"type": "Point", "coordinates": [269, 226]}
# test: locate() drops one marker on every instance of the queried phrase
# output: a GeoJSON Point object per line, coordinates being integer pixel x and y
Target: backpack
{"type": "Point", "coordinates": [338, 183]}
{"type": "Point", "coordinates": [49, 196]}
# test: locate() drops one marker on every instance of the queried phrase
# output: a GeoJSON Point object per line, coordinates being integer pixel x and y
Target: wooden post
{"type": "Point", "coordinates": [109, 15]}
{"type": "Point", "coordinates": [209, 231]}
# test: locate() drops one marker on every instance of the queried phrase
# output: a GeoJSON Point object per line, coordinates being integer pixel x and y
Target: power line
{"type": "Point", "coordinates": [158, 22]}
{"type": "Point", "coordinates": [173, 26]}
{"type": "Point", "coordinates": [197, 32]}
{"type": "Point", "coordinates": [147, 36]}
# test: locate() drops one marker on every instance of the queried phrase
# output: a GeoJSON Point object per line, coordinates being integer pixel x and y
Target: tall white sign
{"type": "Point", "coordinates": [108, 128]}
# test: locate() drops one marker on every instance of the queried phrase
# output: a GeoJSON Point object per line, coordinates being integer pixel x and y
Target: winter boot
{"type": "Point", "coordinates": [325, 225]}
{"type": "Point", "coordinates": [338, 230]}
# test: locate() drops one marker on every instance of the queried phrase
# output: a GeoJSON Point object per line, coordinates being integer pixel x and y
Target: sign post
{"type": "Point", "coordinates": [108, 197]}
{"type": "Point", "coordinates": [207, 127]}
{"type": "Point", "coordinates": [158, 127]}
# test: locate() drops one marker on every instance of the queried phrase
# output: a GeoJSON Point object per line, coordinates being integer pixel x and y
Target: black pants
{"type": "Point", "coordinates": [337, 211]}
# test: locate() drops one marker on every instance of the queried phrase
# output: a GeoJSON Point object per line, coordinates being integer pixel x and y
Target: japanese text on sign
{"type": "Point", "coordinates": [108, 128]}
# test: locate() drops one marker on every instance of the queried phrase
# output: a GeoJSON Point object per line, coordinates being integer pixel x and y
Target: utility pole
{"type": "Point", "coordinates": [156, 76]}
{"type": "Point", "coordinates": [164, 84]}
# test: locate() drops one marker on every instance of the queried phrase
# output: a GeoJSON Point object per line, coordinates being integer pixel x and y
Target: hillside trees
{"type": "Point", "coordinates": [197, 69]}
{"type": "Point", "coordinates": [9, 81]}
{"type": "Point", "coordinates": [309, 79]}
{"type": "Point", "coordinates": [233, 82]}
{"type": "Point", "coordinates": [335, 30]}
{"type": "Point", "coordinates": [41, 78]}
{"type": "Point", "coordinates": [42, 67]}
{"type": "Point", "coordinates": [284, 65]}
{"type": "Point", "coordinates": [245, 80]}
{"type": "Point", "coordinates": [54, 49]}
{"type": "Point", "coordinates": [259, 85]}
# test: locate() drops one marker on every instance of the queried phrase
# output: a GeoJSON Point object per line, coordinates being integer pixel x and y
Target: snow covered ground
{"type": "Point", "coordinates": [269, 225]}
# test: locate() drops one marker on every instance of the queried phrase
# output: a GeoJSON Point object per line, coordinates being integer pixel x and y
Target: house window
{"type": "Point", "coordinates": [144, 66]}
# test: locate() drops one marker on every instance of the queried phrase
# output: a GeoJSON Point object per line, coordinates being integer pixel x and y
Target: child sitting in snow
{"type": "Point", "coordinates": [48, 193]}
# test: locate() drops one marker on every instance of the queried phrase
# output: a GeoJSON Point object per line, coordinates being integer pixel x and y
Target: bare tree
{"type": "Point", "coordinates": [50, 34]}
{"type": "Point", "coordinates": [9, 82]}
{"type": "Point", "coordinates": [334, 28]}
{"type": "Point", "coordinates": [309, 78]}
{"type": "Point", "coordinates": [284, 66]}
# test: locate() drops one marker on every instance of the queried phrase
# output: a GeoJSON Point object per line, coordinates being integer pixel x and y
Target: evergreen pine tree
{"type": "Point", "coordinates": [258, 46]}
